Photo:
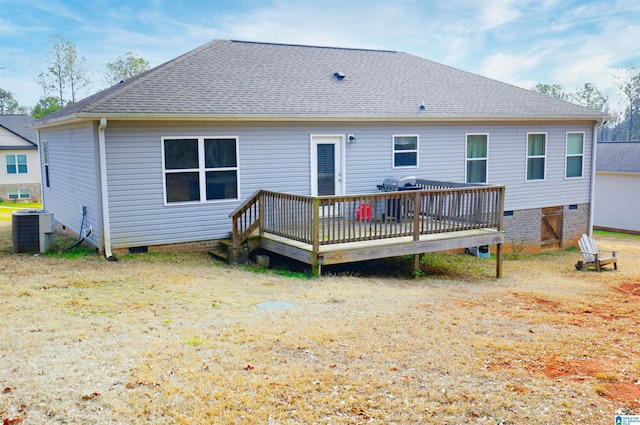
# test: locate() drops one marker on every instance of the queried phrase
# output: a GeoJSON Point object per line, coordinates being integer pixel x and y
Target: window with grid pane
{"type": "Point", "coordinates": [575, 155]}
{"type": "Point", "coordinates": [200, 169]}
{"type": "Point", "coordinates": [16, 164]}
{"type": "Point", "coordinates": [477, 158]}
{"type": "Point", "coordinates": [536, 156]}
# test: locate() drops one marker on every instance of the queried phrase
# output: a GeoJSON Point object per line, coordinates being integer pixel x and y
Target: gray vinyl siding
{"type": "Point", "coordinates": [616, 201]}
{"type": "Point", "coordinates": [442, 157]}
{"type": "Point", "coordinates": [269, 158]}
{"type": "Point", "coordinates": [276, 157]}
{"type": "Point", "coordinates": [74, 178]}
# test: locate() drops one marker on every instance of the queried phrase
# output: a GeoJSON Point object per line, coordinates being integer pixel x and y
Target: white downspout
{"type": "Point", "coordinates": [592, 195]}
{"type": "Point", "coordinates": [106, 226]}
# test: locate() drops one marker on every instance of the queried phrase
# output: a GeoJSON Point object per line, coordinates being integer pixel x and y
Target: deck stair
{"type": "Point", "coordinates": [221, 252]}
{"type": "Point", "coordinates": [225, 251]}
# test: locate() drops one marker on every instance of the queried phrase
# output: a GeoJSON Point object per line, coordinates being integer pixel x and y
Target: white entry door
{"type": "Point", "coordinates": [327, 165]}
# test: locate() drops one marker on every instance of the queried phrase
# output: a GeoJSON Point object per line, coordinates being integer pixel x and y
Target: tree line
{"type": "Point", "coordinates": [625, 123]}
{"type": "Point", "coordinates": [67, 77]}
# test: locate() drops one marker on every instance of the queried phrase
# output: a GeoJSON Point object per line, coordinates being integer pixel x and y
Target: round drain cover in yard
{"type": "Point", "coordinates": [274, 305]}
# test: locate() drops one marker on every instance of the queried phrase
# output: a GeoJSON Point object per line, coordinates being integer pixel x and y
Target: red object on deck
{"type": "Point", "coordinates": [363, 212]}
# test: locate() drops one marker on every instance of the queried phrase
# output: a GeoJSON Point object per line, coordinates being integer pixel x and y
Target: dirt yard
{"type": "Point", "coordinates": [183, 339]}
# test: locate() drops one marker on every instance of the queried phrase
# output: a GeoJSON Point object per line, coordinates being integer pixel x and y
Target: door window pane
{"type": "Point", "coordinates": [326, 170]}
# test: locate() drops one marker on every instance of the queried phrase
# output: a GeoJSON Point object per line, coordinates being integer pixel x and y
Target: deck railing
{"type": "Point", "coordinates": [322, 220]}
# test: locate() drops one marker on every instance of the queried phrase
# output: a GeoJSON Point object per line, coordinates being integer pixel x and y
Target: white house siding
{"type": "Point", "coordinates": [276, 157]}
{"type": "Point", "coordinates": [617, 202]}
{"type": "Point", "coordinates": [29, 180]}
{"type": "Point", "coordinates": [10, 144]}
{"type": "Point", "coordinates": [74, 180]}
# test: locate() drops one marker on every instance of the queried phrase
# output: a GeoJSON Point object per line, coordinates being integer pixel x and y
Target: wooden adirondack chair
{"type": "Point", "coordinates": [592, 256]}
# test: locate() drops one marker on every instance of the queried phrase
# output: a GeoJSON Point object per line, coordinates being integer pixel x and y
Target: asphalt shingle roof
{"type": "Point", "coordinates": [17, 125]}
{"type": "Point", "coordinates": [618, 157]}
{"type": "Point", "coordinates": [246, 79]}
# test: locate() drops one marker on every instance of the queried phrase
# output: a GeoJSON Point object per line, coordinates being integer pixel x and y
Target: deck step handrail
{"type": "Point", "coordinates": [246, 219]}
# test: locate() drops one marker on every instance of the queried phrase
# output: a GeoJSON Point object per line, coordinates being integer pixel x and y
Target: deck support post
{"type": "Point", "coordinates": [316, 266]}
{"type": "Point", "coordinates": [499, 261]}
{"type": "Point", "coordinates": [416, 264]}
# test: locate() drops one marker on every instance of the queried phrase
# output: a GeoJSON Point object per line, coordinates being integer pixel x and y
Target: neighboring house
{"type": "Point", "coordinates": [166, 156]}
{"type": "Point", "coordinates": [617, 192]}
{"type": "Point", "coordinates": [19, 163]}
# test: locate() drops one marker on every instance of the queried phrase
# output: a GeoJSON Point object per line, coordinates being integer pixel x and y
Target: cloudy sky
{"type": "Point", "coordinates": [522, 42]}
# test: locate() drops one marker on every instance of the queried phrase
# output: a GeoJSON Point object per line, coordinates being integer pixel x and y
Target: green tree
{"type": "Point", "coordinates": [589, 96]}
{"type": "Point", "coordinates": [45, 106]}
{"type": "Point", "coordinates": [125, 67]}
{"type": "Point", "coordinates": [66, 73]}
{"type": "Point", "coordinates": [553, 90]}
{"type": "Point", "coordinates": [8, 105]}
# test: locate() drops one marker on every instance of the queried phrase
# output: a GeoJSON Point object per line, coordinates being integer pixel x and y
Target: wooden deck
{"type": "Point", "coordinates": [340, 229]}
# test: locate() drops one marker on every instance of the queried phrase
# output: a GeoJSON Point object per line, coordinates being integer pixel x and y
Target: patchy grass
{"type": "Point", "coordinates": [7, 209]}
{"type": "Point", "coordinates": [179, 339]}
{"type": "Point", "coordinates": [603, 233]}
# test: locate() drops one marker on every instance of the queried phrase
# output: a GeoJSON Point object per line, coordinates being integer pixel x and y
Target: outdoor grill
{"type": "Point", "coordinates": [396, 184]}
{"type": "Point", "coordinates": [397, 209]}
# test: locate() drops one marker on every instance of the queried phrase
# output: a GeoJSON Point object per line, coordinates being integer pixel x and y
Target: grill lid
{"type": "Point", "coordinates": [397, 182]}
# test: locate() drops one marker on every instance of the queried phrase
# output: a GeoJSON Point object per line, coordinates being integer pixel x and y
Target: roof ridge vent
{"type": "Point", "coordinates": [339, 76]}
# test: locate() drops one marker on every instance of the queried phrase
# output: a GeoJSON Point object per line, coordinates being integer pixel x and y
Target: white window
{"type": "Point", "coordinates": [18, 194]}
{"type": "Point", "coordinates": [45, 158]}
{"type": "Point", "coordinates": [575, 154]}
{"type": "Point", "coordinates": [536, 156]}
{"type": "Point", "coordinates": [477, 155]}
{"type": "Point", "coordinates": [16, 164]}
{"type": "Point", "coordinates": [405, 151]}
{"type": "Point", "coordinates": [200, 169]}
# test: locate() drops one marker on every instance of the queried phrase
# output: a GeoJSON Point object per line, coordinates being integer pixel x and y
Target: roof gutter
{"type": "Point", "coordinates": [106, 226]}
{"type": "Point", "coordinates": [592, 194]}
{"type": "Point", "coordinates": [418, 118]}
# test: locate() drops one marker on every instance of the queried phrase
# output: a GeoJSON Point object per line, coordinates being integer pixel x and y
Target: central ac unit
{"type": "Point", "coordinates": [32, 230]}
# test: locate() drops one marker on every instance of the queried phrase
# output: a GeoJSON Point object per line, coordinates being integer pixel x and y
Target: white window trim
{"type": "Point", "coordinates": [527, 157]}
{"type": "Point", "coordinates": [201, 171]}
{"type": "Point", "coordinates": [393, 152]}
{"type": "Point", "coordinates": [18, 193]}
{"type": "Point", "coordinates": [567, 155]}
{"type": "Point", "coordinates": [313, 162]}
{"type": "Point", "coordinates": [486, 158]}
{"type": "Point", "coordinates": [46, 179]}
{"type": "Point", "coordinates": [17, 163]}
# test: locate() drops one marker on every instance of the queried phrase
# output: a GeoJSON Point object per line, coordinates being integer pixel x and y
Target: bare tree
{"type": "Point", "coordinates": [66, 73]}
{"type": "Point", "coordinates": [630, 88]}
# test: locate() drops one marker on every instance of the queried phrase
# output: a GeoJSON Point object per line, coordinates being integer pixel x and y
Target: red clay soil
{"type": "Point", "coordinates": [629, 289]}
{"type": "Point", "coordinates": [629, 392]}
{"type": "Point", "coordinates": [574, 369]}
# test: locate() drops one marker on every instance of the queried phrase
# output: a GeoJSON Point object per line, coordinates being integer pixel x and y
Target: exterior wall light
{"type": "Point", "coordinates": [351, 138]}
